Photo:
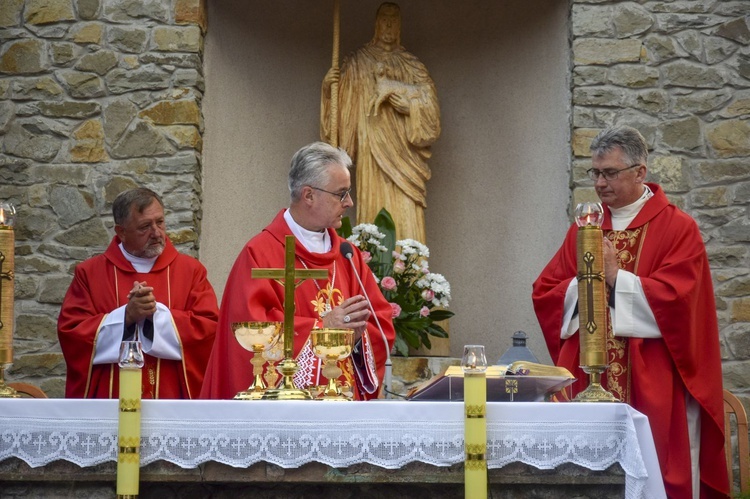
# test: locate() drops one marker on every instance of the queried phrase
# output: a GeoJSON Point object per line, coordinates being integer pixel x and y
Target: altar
{"type": "Point", "coordinates": [295, 434]}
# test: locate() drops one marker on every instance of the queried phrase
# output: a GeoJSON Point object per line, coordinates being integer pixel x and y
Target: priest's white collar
{"type": "Point", "coordinates": [141, 265]}
{"type": "Point", "coordinates": [314, 242]}
{"type": "Point", "coordinates": [621, 217]}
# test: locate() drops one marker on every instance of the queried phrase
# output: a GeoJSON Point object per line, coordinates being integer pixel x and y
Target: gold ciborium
{"type": "Point", "coordinates": [331, 346]}
{"type": "Point", "coordinates": [256, 337]}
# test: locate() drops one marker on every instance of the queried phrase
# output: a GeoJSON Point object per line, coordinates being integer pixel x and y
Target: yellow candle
{"type": "Point", "coordinates": [129, 433]}
{"type": "Point", "coordinates": [592, 296]}
{"type": "Point", "coordinates": [7, 249]}
{"type": "Point", "coordinates": [475, 435]}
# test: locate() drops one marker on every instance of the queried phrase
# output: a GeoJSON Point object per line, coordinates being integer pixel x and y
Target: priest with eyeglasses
{"type": "Point", "coordinates": [663, 341]}
{"type": "Point", "coordinates": [320, 186]}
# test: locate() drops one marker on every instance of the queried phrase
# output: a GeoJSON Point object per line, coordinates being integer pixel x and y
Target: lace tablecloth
{"type": "Point", "coordinates": [386, 433]}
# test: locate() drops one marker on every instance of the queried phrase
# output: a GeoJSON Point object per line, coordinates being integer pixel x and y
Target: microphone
{"type": "Point", "coordinates": [348, 252]}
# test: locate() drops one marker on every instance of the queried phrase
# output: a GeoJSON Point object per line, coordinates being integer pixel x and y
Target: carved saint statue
{"type": "Point", "coordinates": [389, 118]}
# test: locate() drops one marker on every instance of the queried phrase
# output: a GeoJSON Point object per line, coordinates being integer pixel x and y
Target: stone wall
{"type": "Point", "coordinates": [680, 73]}
{"type": "Point", "coordinates": [96, 96]}
{"type": "Point", "coordinates": [100, 95]}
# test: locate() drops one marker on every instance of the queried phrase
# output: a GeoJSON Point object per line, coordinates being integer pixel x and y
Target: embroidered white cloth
{"type": "Point", "coordinates": [386, 433]}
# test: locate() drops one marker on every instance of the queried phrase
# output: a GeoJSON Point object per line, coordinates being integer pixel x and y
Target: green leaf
{"type": "Point", "coordinates": [410, 337]}
{"type": "Point", "coordinates": [387, 226]}
{"type": "Point", "coordinates": [401, 346]}
{"type": "Point", "coordinates": [437, 331]}
{"type": "Point", "coordinates": [441, 315]}
{"type": "Point", "coordinates": [346, 228]}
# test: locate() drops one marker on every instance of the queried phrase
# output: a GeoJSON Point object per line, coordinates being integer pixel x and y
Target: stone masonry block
{"type": "Point", "coordinates": [48, 11]}
{"type": "Point", "coordinates": [730, 138]}
{"type": "Point", "coordinates": [668, 172]}
{"type": "Point", "coordinates": [178, 39]}
{"type": "Point", "coordinates": [605, 51]}
{"type": "Point", "coordinates": [10, 13]}
{"type": "Point", "coordinates": [25, 56]}
{"type": "Point", "coordinates": [582, 138]}
{"type": "Point", "coordinates": [179, 112]}
{"type": "Point", "coordinates": [191, 12]}
{"type": "Point", "coordinates": [88, 143]}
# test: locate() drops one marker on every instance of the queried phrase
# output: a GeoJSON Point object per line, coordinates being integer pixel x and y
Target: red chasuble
{"type": "Point", "coordinates": [672, 265]}
{"type": "Point", "coordinates": [247, 299]}
{"type": "Point", "coordinates": [101, 285]}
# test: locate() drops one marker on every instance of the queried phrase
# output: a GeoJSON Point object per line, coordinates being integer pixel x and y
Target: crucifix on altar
{"type": "Point", "coordinates": [290, 278]}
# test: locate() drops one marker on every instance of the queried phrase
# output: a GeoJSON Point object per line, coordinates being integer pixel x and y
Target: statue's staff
{"type": "Point", "coordinates": [335, 84]}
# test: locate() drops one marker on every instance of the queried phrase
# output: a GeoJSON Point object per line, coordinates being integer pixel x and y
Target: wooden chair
{"type": "Point", "coordinates": [27, 389]}
{"type": "Point", "coordinates": [733, 409]}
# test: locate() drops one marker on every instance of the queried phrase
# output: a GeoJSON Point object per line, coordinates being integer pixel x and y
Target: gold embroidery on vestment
{"type": "Point", "coordinates": [627, 244]}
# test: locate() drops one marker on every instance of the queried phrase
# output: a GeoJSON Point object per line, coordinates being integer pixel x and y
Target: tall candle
{"type": "Point", "coordinates": [7, 269]}
{"type": "Point", "coordinates": [474, 364]}
{"type": "Point", "coordinates": [592, 301]}
{"type": "Point", "coordinates": [129, 428]}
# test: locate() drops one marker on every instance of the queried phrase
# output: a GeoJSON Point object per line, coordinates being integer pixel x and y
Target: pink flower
{"type": "Point", "coordinates": [398, 267]}
{"type": "Point", "coordinates": [366, 256]}
{"type": "Point", "coordinates": [424, 312]}
{"type": "Point", "coordinates": [428, 295]}
{"type": "Point", "coordinates": [388, 283]}
{"type": "Point", "coordinates": [396, 310]}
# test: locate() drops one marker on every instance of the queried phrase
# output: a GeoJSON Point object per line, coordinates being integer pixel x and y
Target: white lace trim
{"type": "Point", "coordinates": [308, 367]}
{"type": "Point", "coordinates": [289, 434]}
{"type": "Point", "coordinates": [371, 366]}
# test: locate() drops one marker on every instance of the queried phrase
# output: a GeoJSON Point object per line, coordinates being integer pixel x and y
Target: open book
{"type": "Point", "coordinates": [520, 381]}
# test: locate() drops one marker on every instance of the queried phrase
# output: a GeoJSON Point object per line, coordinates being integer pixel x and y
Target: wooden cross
{"type": "Point", "coordinates": [290, 278]}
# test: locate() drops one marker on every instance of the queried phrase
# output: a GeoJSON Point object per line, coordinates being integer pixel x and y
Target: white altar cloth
{"type": "Point", "coordinates": [386, 433]}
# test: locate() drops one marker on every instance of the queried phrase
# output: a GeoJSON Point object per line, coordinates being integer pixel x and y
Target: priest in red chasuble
{"type": "Point", "coordinates": [139, 288]}
{"type": "Point", "coordinates": [319, 184]}
{"type": "Point", "coordinates": [663, 341]}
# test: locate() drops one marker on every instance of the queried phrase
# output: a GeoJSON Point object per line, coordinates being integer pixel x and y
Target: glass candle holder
{"type": "Point", "coordinates": [131, 355]}
{"type": "Point", "coordinates": [474, 359]}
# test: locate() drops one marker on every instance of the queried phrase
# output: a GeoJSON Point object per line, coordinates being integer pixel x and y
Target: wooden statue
{"type": "Point", "coordinates": [388, 117]}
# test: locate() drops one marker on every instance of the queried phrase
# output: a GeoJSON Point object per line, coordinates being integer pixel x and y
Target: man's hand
{"type": "Point", "coordinates": [356, 309]}
{"type": "Point", "coordinates": [610, 263]}
{"type": "Point", "coordinates": [141, 303]}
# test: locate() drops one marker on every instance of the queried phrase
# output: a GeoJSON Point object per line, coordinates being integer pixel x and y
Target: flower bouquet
{"type": "Point", "coordinates": [418, 297]}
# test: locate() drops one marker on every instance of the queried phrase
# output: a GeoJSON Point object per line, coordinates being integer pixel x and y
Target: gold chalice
{"type": "Point", "coordinates": [256, 337]}
{"type": "Point", "coordinates": [331, 346]}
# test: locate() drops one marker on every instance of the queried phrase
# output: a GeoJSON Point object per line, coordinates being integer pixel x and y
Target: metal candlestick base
{"type": "Point", "coordinates": [287, 390]}
{"type": "Point", "coordinates": [595, 392]}
{"type": "Point", "coordinates": [6, 392]}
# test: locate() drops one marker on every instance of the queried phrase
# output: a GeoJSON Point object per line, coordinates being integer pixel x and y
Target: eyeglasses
{"type": "Point", "coordinates": [612, 174]}
{"type": "Point", "coordinates": [341, 195]}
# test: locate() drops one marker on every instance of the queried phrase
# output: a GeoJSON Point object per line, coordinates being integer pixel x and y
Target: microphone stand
{"type": "Point", "coordinates": [388, 365]}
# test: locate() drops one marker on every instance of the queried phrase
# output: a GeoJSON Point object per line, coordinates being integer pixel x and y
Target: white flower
{"type": "Point", "coordinates": [410, 246]}
{"type": "Point", "coordinates": [370, 230]}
